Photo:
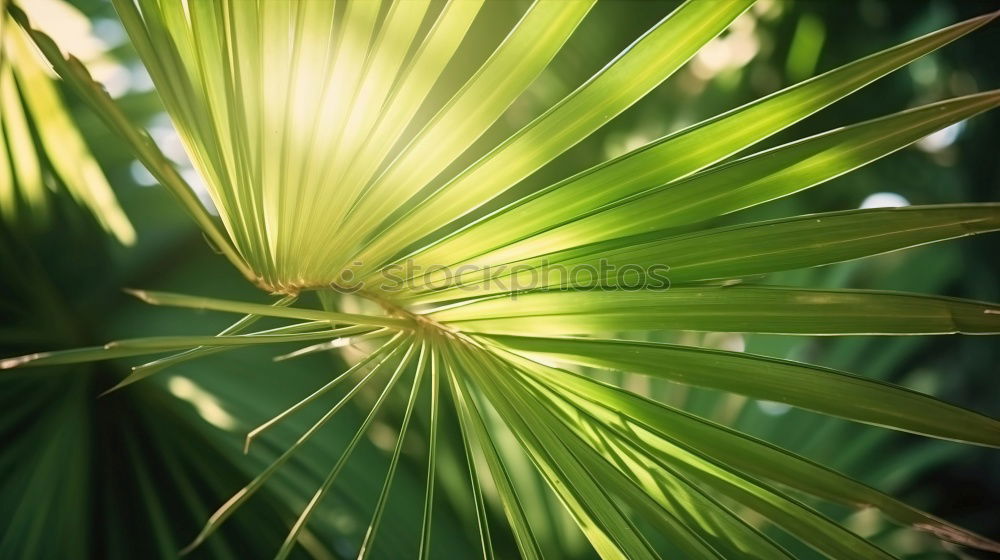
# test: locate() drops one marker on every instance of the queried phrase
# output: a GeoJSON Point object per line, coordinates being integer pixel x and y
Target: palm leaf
{"type": "Point", "coordinates": [710, 253]}
{"type": "Point", "coordinates": [681, 153]}
{"type": "Point", "coordinates": [815, 388]}
{"type": "Point", "coordinates": [642, 66]}
{"type": "Point", "coordinates": [766, 309]}
{"type": "Point", "coordinates": [333, 156]}
{"type": "Point", "coordinates": [40, 144]}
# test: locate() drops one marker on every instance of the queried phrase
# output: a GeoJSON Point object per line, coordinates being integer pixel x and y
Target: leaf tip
{"type": "Point", "coordinates": [142, 295]}
{"type": "Point", "coordinates": [121, 384]}
{"type": "Point", "coordinates": [979, 21]}
{"type": "Point", "coordinates": [189, 548]}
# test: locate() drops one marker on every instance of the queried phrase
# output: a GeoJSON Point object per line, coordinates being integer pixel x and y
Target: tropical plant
{"type": "Point", "coordinates": [41, 145]}
{"type": "Point", "coordinates": [335, 144]}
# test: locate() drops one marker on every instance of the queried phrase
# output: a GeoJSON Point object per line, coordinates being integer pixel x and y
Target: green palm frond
{"type": "Point", "coordinates": [335, 142]}
{"type": "Point", "coordinates": [40, 144]}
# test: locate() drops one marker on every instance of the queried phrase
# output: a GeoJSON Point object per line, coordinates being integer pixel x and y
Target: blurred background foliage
{"type": "Point", "coordinates": [135, 474]}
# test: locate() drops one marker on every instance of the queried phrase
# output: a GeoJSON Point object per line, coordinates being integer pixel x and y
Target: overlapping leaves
{"type": "Point", "coordinates": [319, 164]}
{"type": "Point", "coordinates": [40, 145]}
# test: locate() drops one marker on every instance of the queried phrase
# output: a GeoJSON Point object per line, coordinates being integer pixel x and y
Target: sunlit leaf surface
{"type": "Point", "coordinates": [336, 142]}
{"type": "Point", "coordinates": [40, 145]}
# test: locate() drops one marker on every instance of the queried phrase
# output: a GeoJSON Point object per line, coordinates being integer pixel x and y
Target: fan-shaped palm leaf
{"type": "Point", "coordinates": [336, 170]}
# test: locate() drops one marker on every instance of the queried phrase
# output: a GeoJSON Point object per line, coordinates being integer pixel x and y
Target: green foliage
{"type": "Point", "coordinates": [334, 144]}
{"type": "Point", "coordinates": [40, 144]}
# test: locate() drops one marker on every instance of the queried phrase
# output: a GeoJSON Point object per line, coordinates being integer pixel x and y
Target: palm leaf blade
{"type": "Point", "coordinates": [682, 153]}
{"type": "Point", "coordinates": [726, 309]}
{"type": "Point", "coordinates": [813, 387]}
